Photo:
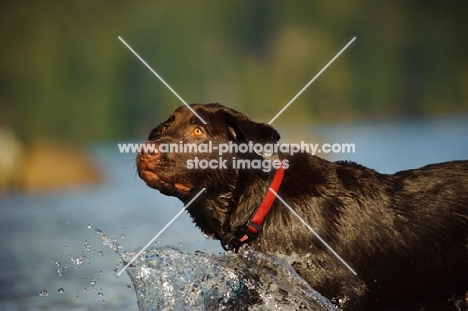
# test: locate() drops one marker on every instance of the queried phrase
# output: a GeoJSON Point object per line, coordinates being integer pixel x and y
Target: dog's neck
{"type": "Point", "coordinates": [219, 214]}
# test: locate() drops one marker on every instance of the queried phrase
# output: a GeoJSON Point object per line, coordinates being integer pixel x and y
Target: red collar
{"type": "Point", "coordinates": [252, 229]}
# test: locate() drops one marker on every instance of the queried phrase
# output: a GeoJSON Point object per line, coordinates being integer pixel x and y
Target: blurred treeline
{"type": "Point", "coordinates": [65, 75]}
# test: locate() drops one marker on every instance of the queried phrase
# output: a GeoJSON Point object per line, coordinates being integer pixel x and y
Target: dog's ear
{"type": "Point", "coordinates": [243, 129]}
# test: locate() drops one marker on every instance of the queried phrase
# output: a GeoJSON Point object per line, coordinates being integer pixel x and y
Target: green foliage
{"type": "Point", "coordinates": [65, 75]}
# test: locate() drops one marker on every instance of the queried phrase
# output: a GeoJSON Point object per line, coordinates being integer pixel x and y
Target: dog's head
{"type": "Point", "coordinates": [182, 152]}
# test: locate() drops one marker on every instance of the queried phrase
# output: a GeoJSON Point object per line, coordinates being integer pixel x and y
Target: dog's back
{"type": "Point", "coordinates": [406, 234]}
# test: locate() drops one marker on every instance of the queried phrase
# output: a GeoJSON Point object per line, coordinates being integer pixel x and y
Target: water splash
{"type": "Point", "coordinates": [166, 278]}
{"type": "Point", "coordinates": [59, 267]}
{"type": "Point", "coordinates": [44, 293]}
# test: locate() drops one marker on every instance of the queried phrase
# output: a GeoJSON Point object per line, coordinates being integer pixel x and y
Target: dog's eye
{"type": "Point", "coordinates": [197, 132]}
{"type": "Point", "coordinates": [163, 128]}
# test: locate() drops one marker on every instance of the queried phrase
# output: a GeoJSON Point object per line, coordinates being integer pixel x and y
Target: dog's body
{"type": "Point", "coordinates": [406, 234]}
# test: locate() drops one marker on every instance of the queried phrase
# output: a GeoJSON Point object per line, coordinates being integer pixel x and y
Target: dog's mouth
{"type": "Point", "coordinates": [155, 181]}
{"type": "Point", "coordinates": [182, 187]}
{"type": "Point", "coordinates": [159, 174]}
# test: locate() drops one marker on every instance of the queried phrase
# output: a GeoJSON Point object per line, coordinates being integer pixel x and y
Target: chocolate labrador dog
{"type": "Point", "coordinates": [405, 235]}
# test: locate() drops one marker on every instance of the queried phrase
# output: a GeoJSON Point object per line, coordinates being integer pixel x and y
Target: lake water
{"type": "Point", "coordinates": [49, 241]}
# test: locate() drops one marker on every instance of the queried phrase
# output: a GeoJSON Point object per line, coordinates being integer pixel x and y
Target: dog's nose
{"type": "Point", "coordinates": [149, 150]}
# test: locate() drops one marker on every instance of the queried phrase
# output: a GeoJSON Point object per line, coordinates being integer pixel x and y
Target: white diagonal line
{"type": "Point", "coordinates": [159, 233]}
{"type": "Point", "coordinates": [313, 231]}
{"type": "Point", "coordinates": [162, 80]}
{"type": "Point", "coordinates": [310, 82]}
